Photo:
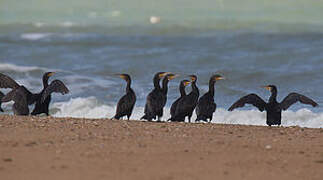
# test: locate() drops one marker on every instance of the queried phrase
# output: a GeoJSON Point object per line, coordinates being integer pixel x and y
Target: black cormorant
{"type": "Point", "coordinates": [205, 105]}
{"type": "Point", "coordinates": [44, 99]}
{"type": "Point", "coordinates": [193, 97]}
{"type": "Point", "coordinates": [153, 100]}
{"type": "Point", "coordinates": [127, 102]}
{"type": "Point", "coordinates": [166, 79]}
{"type": "Point", "coordinates": [273, 108]}
{"type": "Point", "coordinates": [177, 102]}
{"type": "Point", "coordinates": [21, 92]}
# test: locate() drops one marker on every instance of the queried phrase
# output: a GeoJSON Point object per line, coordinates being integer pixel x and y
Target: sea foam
{"type": "Point", "coordinates": [90, 107]}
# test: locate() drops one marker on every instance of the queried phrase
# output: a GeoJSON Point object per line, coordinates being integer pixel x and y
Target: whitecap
{"type": "Point", "coordinates": [90, 107]}
{"type": "Point", "coordinates": [20, 69]}
{"type": "Point", "coordinates": [35, 36]}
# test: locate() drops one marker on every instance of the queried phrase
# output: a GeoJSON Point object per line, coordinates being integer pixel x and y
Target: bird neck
{"type": "Point", "coordinates": [211, 87]}
{"type": "Point", "coordinates": [273, 96]}
{"type": "Point", "coordinates": [156, 82]}
{"type": "Point", "coordinates": [128, 88]}
{"type": "Point", "coordinates": [165, 85]}
{"type": "Point", "coordinates": [182, 89]}
{"type": "Point", "coordinates": [194, 88]}
{"type": "Point", "coordinates": [45, 82]}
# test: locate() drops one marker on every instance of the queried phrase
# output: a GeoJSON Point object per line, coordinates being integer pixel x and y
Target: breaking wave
{"type": "Point", "coordinates": [90, 107]}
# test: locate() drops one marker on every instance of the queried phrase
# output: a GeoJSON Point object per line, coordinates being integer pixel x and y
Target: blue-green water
{"type": "Point", "coordinates": [252, 43]}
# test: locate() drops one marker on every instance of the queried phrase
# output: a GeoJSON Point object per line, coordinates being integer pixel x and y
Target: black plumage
{"type": "Point", "coordinates": [273, 107]}
{"type": "Point", "coordinates": [1, 96]}
{"type": "Point", "coordinates": [19, 96]}
{"type": "Point", "coordinates": [205, 106]}
{"type": "Point", "coordinates": [164, 90]}
{"type": "Point", "coordinates": [192, 97]}
{"type": "Point", "coordinates": [44, 97]}
{"type": "Point", "coordinates": [175, 115]}
{"type": "Point", "coordinates": [8, 82]}
{"type": "Point", "coordinates": [127, 102]}
{"type": "Point", "coordinates": [153, 100]}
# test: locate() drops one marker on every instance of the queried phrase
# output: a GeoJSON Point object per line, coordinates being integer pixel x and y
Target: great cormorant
{"type": "Point", "coordinates": [27, 98]}
{"type": "Point", "coordinates": [153, 100]}
{"type": "Point", "coordinates": [192, 97]}
{"type": "Point", "coordinates": [273, 108]}
{"type": "Point", "coordinates": [44, 99]}
{"type": "Point", "coordinates": [178, 102]}
{"type": "Point", "coordinates": [126, 102]}
{"type": "Point", "coordinates": [166, 79]}
{"type": "Point", "coordinates": [205, 105]}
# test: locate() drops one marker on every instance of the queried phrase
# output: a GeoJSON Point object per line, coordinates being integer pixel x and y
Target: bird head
{"type": "Point", "coordinates": [217, 77]}
{"type": "Point", "coordinates": [193, 77]}
{"type": "Point", "coordinates": [126, 77]}
{"type": "Point", "coordinates": [171, 76]}
{"type": "Point", "coordinates": [270, 87]}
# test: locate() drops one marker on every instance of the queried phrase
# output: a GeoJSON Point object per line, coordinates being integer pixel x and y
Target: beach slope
{"type": "Point", "coordinates": [65, 148]}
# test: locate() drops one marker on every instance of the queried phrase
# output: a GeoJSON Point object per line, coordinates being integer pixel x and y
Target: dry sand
{"type": "Point", "coordinates": [65, 148]}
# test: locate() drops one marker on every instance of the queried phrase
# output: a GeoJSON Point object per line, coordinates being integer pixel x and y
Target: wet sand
{"type": "Point", "coordinates": [66, 148]}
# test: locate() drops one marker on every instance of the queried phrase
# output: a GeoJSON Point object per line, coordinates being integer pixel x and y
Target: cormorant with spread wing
{"type": "Point", "coordinates": [127, 102]}
{"type": "Point", "coordinates": [206, 106]}
{"type": "Point", "coordinates": [178, 102]}
{"type": "Point", "coordinates": [273, 108]}
{"type": "Point", "coordinates": [153, 100]}
{"type": "Point", "coordinates": [23, 97]}
{"type": "Point", "coordinates": [42, 103]}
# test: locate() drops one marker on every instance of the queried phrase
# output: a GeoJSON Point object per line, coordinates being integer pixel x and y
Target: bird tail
{"type": "Point", "coordinates": [200, 118]}
{"type": "Point", "coordinates": [171, 119]}
{"type": "Point", "coordinates": [147, 117]}
{"type": "Point", "coordinates": [116, 117]}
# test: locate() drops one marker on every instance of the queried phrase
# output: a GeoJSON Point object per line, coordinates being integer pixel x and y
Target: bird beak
{"type": "Point", "coordinates": [187, 83]}
{"type": "Point", "coordinates": [51, 74]}
{"type": "Point", "coordinates": [267, 87]}
{"type": "Point", "coordinates": [173, 76]}
{"type": "Point", "coordinates": [163, 74]}
{"type": "Point", "coordinates": [219, 78]}
{"type": "Point", "coordinates": [192, 78]}
{"type": "Point", "coordinates": [121, 76]}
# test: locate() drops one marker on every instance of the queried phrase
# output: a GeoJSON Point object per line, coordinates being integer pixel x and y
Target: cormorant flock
{"type": "Point", "coordinates": [156, 100]}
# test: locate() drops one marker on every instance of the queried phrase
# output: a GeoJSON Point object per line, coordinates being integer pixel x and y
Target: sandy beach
{"type": "Point", "coordinates": [67, 148]}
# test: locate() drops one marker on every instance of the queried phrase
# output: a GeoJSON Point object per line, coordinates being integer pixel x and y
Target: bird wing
{"type": "Point", "coordinates": [205, 106]}
{"type": "Point", "coordinates": [17, 95]}
{"type": "Point", "coordinates": [174, 106]}
{"type": "Point", "coordinates": [56, 86]}
{"type": "Point", "coordinates": [249, 99]}
{"type": "Point", "coordinates": [7, 82]}
{"type": "Point", "coordinates": [125, 105]}
{"type": "Point", "coordinates": [31, 98]}
{"type": "Point", "coordinates": [1, 96]}
{"type": "Point", "coordinates": [295, 97]}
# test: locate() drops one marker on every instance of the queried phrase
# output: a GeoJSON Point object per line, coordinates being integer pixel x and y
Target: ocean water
{"type": "Point", "coordinates": [87, 42]}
